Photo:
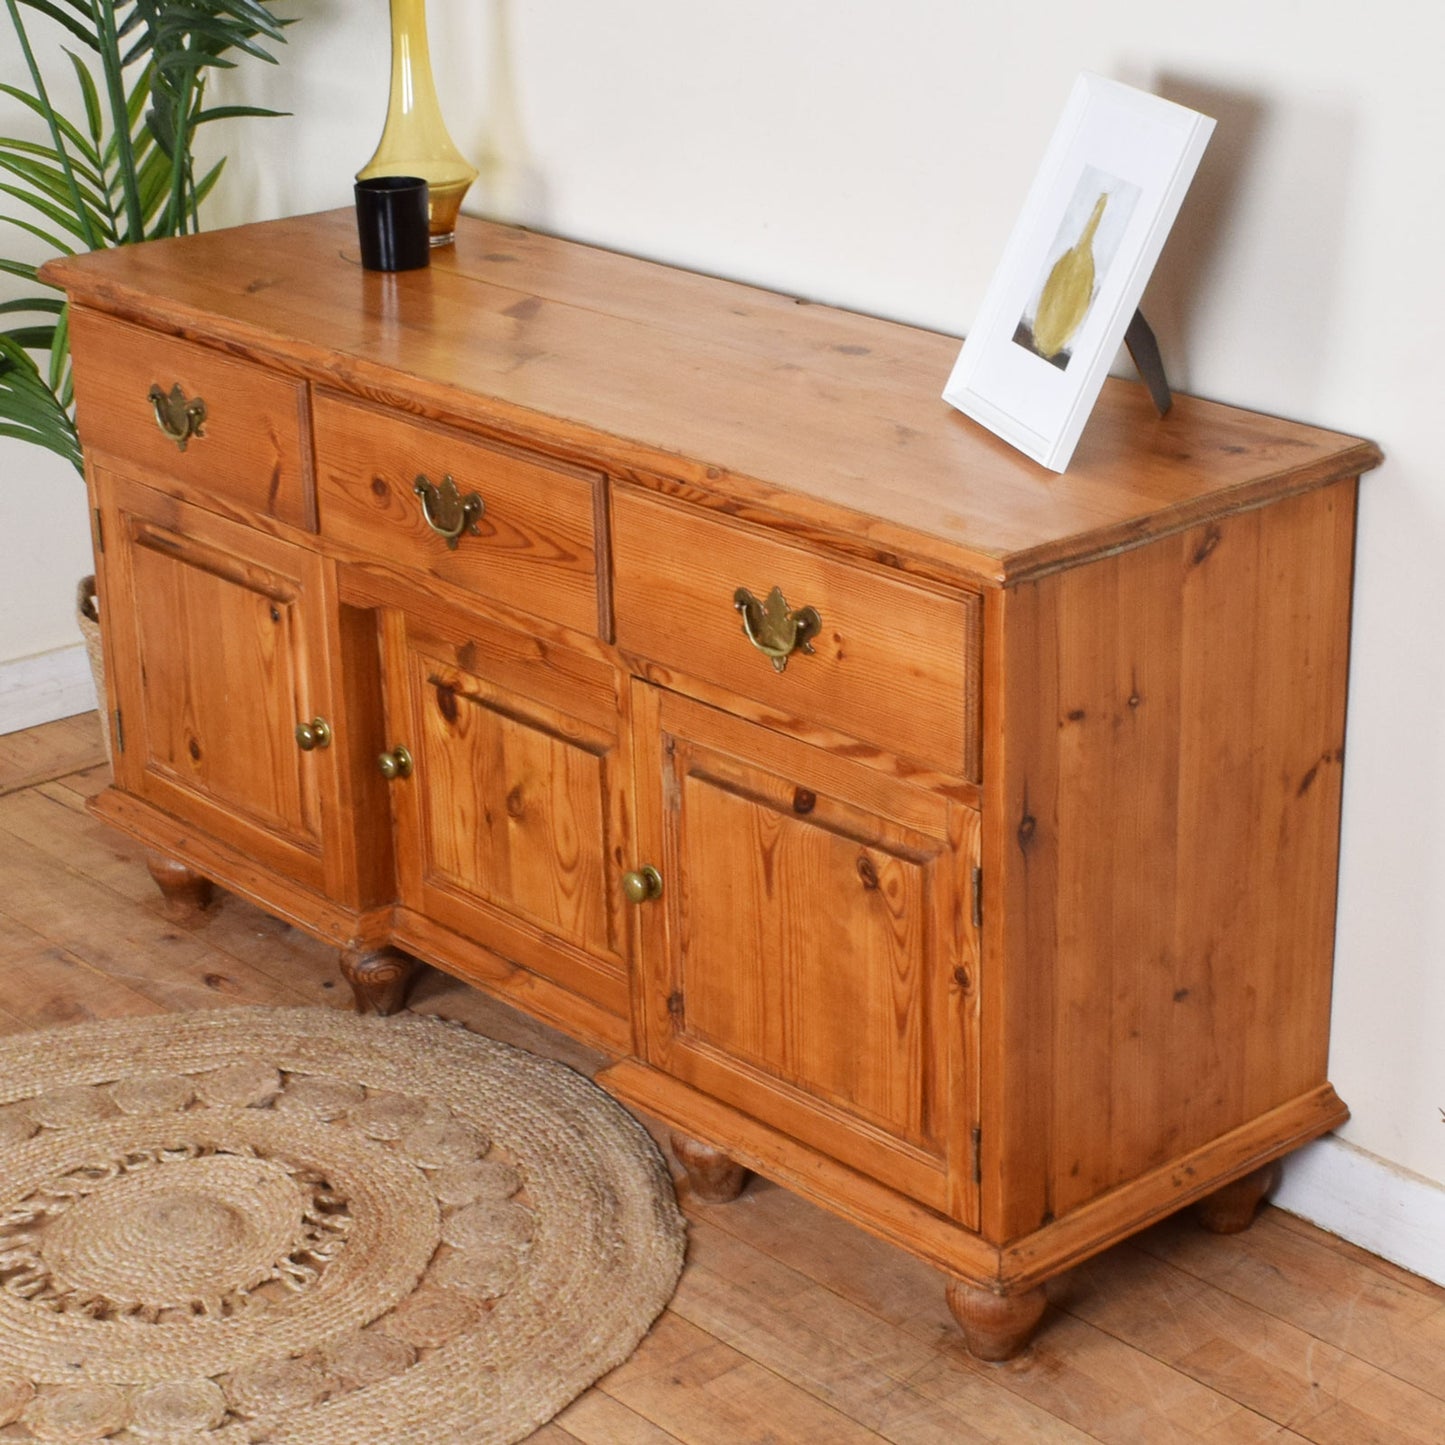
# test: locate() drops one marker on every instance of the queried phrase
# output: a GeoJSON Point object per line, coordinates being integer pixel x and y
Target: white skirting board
{"type": "Point", "coordinates": [40, 689]}
{"type": "Point", "coordinates": [1370, 1202]}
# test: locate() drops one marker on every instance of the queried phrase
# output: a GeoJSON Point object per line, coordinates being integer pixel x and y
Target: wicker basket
{"type": "Point", "coordinates": [87, 615]}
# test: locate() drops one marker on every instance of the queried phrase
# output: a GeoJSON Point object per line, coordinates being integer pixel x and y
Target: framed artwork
{"type": "Point", "coordinates": [1055, 312]}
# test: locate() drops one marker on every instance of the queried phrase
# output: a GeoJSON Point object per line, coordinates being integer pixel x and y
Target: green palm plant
{"type": "Point", "coordinates": [120, 169]}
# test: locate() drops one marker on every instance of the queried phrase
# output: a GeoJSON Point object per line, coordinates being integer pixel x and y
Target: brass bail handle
{"type": "Point", "coordinates": [774, 628]}
{"type": "Point", "coordinates": [180, 417]}
{"type": "Point", "coordinates": [447, 512]}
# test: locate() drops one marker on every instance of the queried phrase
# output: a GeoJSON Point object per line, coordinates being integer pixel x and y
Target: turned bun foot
{"type": "Point", "coordinates": [995, 1326]}
{"type": "Point", "coordinates": [379, 978]}
{"type": "Point", "coordinates": [1231, 1210]}
{"type": "Point", "coordinates": [711, 1175]}
{"type": "Point", "coordinates": [184, 892]}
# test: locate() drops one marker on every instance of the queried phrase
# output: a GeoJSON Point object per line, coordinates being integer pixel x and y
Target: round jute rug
{"type": "Point", "coordinates": [301, 1227]}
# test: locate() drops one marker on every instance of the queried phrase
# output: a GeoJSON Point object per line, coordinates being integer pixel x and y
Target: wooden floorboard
{"type": "Point", "coordinates": [53, 751]}
{"type": "Point", "coordinates": [788, 1325]}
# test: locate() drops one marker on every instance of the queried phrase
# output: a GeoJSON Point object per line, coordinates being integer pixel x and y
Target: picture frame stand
{"type": "Point", "coordinates": [1144, 352]}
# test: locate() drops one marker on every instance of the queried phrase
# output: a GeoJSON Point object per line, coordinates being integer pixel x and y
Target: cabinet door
{"type": "Point", "coordinates": [811, 957]}
{"type": "Point", "coordinates": [512, 821]}
{"type": "Point", "coordinates": [217, 645]}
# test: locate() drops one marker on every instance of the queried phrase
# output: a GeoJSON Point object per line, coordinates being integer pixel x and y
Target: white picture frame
{"type": "Point", "coordinates": [1110, 185]}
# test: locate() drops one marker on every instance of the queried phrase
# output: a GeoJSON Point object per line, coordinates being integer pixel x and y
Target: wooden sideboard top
{"type": "Point", "coordinates": [750, 401]}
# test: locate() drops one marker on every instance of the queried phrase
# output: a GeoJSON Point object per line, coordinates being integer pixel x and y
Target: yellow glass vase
{"type": "Point", "coordinates": [415, 141]}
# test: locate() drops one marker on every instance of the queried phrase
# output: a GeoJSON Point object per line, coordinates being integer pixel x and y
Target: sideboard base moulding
{"type": "Point", "coordinates": [950, 841]}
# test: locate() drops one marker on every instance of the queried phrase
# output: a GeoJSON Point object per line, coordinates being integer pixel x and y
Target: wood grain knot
{"type": "Point", "coordinates": [1307, 781]}
{"type": "Point", "coordinates": [524, 309]}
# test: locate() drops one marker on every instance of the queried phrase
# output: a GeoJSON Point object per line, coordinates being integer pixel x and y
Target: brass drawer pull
{"type": "Point", "coordinates": [395, 764]}
{"type": "Point", "coordinates": [313, 735]}
{"type": "Point", "coordinates": [642, 885]}
{"type": "Point", "coordinates": [447, 512]}
{"type": "Point", "coordinates": [774, 628]}
{"type": "Point", "coordinates": [178, 416]}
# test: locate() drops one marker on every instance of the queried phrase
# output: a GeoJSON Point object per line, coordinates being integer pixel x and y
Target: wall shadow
{"type": "Point", "coordinates": [1264, 213]}
{"type": "Point", "coordinates": [510, 186]}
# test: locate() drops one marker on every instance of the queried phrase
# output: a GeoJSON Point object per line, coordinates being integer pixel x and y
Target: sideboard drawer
{"type": "Point", "coordinates": [531, 543]}
{"type": "Point", "coordinates": [243, 437]}
{"type": "Point", "coordinates": [891, 663]}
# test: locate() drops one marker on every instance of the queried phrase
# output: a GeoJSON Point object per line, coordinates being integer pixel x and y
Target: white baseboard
{"type": "Point", "coordinates": [43, 688]}
{"type": "Point", "coordinates": [1370, 1202]}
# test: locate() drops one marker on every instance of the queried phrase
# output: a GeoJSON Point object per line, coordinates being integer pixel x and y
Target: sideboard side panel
{"type": "Point", "coordinates": [1167, 829]}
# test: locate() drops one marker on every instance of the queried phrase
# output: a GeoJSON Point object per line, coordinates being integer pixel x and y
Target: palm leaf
{"type": "Point", "coordinates": [46, 156]}
{"type": "Point", "coordinates": [234, 112]}
{"type": "Point", "coordinates": [46, 178]}
{"type": "Point", "coordinates": [82, 222]}
{"type": "Point", "coordinates": [81, 7]}
{"type": "Point", "coordinates": [59, 352]}
{"type": "Point", "coordinates": [29, 409]}
{"type": "Point", "coordinates": [54, 242]}
{"type": "Point", "coordinates": [88, 93]}
{"type": "Point", "coordinates": [48, 111]}
{"type": "Point", "coordinates": [66, 128]}
{"type": "Point", "coordinates": [207, 181]}
{"type": "Point", "coordinates": [51, 305]}
{"type": "Point", "coordinates": [32, 338]}
{"type": "Point", "coordinates": [119, 170]}
{"type": "Point", "coordinates": [75, 25]}
{"type": "Point", "coordinates": [112, 69]}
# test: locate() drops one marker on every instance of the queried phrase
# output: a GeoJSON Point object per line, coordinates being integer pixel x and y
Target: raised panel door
{"type": "Point", "coordinates": [812, 956]}
{"type": "Point", "coordinates": [511, 823]}
{"type": "Point", "coordinates": [218, 644]}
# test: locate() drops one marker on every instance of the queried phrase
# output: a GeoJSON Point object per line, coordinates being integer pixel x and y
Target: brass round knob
{"type": "Point", "coordinates": [313, 735]}
{"type": "Point", "coordinates": [641, 885]}
{"type": "Point", "coordinates": [395, 764]}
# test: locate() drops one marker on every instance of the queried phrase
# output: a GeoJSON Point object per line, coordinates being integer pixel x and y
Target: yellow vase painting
{"type": "Point", "coordinates": [1065, 299]}
{"type": "Point", "coordinates": [1083, 249]}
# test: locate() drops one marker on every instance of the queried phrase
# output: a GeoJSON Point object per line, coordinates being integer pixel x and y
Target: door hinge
{"type": "Point", "coordinates": [99, 529]}
{"type": "Point", "coordinates": [978, 897]}
{"type": "Point", "coordinates": [119, 732]}
{"type": "Point", "coordinates": [976, 1140]}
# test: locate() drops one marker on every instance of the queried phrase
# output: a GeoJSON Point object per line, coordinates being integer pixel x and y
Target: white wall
{"type": "Point", "coordinates": [875, 156]}
{"type": "Point", "coordinates": [44, 535]}
{"type": "Point", "coordinates": [44, 530]}
{"type": "Point", "coordinates": [44, 549]}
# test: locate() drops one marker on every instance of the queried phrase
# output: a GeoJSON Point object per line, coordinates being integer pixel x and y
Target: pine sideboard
{"type": "Point", "coordinates": [951, 841]}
